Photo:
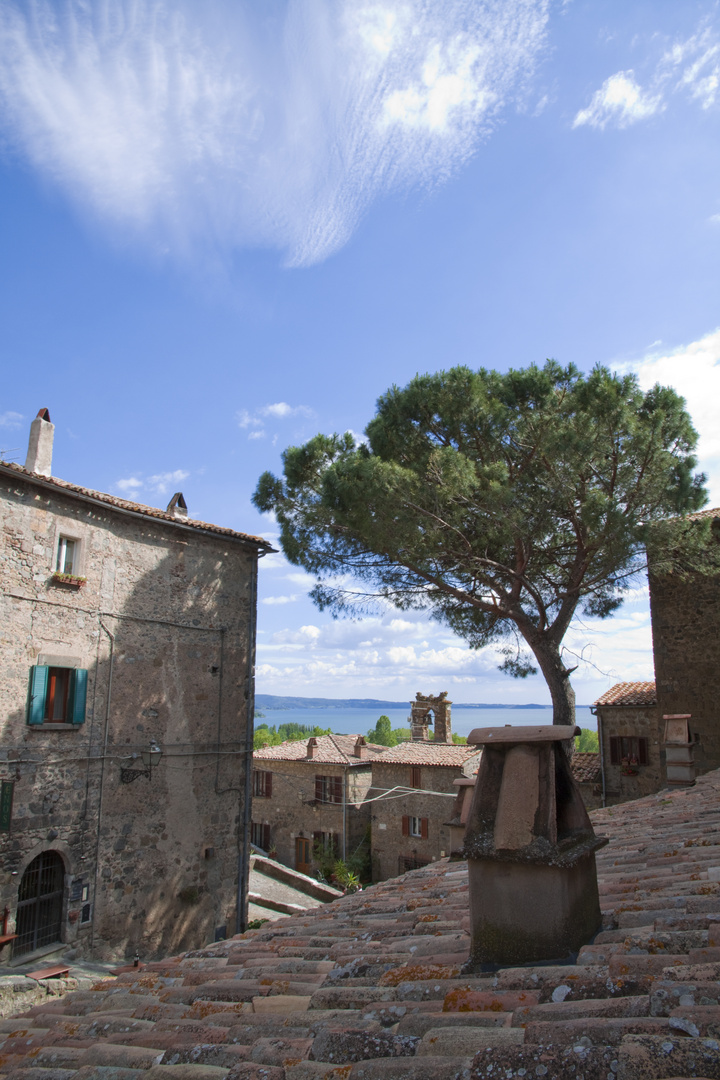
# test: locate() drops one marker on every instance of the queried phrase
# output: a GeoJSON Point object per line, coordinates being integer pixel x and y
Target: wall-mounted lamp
{"type": "Point", "coordinates": [150, 759]}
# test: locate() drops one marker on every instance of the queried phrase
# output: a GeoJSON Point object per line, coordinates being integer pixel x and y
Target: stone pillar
{"type": "Point", "coordinates": [530, 848]}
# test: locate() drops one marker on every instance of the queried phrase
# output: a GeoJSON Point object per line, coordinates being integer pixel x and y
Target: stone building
{"type": "Point", "coordinates": [629, 731]}
{"type": "Point", "coordinates": [414, 794]}
{"type": "Point", "coordinates": [127, 641]}
{"type": "Point", "coordinates": [312, 793]}
{"type": "Point", "coordinates": [685, 614]}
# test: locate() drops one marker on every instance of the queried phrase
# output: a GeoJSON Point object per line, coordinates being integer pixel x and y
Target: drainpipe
{"type": "Point", "coordinates": [244, 849]}
{"type": "Point", "coordinates": [601, 748]}
{"type": "Point", "coordinates": [108, 701]}
{"type": "Point", "coordinates": [345, 773]}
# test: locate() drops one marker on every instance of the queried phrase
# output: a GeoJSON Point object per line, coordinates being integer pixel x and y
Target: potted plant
{"type": "Point", "coordinates": [74, 580]}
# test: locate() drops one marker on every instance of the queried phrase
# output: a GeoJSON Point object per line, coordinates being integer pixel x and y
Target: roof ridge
{"type": "Point", "coordinates": [129, 506]}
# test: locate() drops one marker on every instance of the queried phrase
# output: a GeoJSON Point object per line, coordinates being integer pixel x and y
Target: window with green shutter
{"type": "Point", "coordinates": [57, 695]}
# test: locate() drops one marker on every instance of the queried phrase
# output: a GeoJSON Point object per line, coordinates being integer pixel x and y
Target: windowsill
{"type": "Point", "coordinates": [53, 727]}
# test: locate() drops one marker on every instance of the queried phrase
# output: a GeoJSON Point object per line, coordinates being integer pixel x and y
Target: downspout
{"type": "Point", "coordinates": [108, 701]}
{"type": "Point", "coordinates": [345, 775]}
{"type": "Point", "coordinates": [601, 748]}
{"type": "Point", "coordinates": [244, 850]}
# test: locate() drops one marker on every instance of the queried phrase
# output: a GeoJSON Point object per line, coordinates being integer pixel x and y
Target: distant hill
{"type": "Point", "coordinates": [273, 701]}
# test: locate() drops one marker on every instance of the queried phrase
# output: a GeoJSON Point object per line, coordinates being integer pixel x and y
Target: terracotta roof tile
{"type": "Point", "coordinates": [132, 507]}
{"type": "Point", "coordinates": [428, 753]}
{"type": "Point", "coordinates": [629, 693]}
{"type": "Point", "coordinates": [268, 999]}
{"type": "Point", "coordinates": [585, 767]}
{"type": "Point", "coordinates": [330, 750]}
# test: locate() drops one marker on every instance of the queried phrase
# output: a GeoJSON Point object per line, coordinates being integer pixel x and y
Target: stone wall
{"type": "Point", "coordinates": [686, 648]}
{"type": "Point", "coordinates": [292, 811]}
{"type": "Point", "coordinates": [164, 628]}
{"type": "Point", "coordinates": [640, 721]}
{"type": "Point", "coordinates": [392, 852]}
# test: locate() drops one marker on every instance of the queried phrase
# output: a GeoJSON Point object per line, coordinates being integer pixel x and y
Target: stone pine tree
{"type": "Point", "coordinates": [503, 504]}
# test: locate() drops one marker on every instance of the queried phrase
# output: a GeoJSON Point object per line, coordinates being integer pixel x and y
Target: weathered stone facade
{"type": "Point", "coordinates": [410, 822]}
{"type": "Point", "coordinates": [686, 648]}
{"type": "Point", "coordinates": [628, 712]}
{"type": "Point", "coordinates": [297, 810]}
{"type": "Point", "coordinates": [158, 625]}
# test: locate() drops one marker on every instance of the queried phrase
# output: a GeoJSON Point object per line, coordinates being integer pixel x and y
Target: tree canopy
{"type": "Point", "coordinates": [502, 503]}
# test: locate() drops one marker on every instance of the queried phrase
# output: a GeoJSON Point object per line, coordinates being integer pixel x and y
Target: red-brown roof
{"type": "Point", "coordinates": [705, 513]}
{"type": "Point", "coordinates": [586, 767]}
{"type": "Point", "coordinates": [329, 750]}
{"type": "Point", "coordinates": [629, 693]}
{"type": "Point", "coordinates": [131, 507]}
{"type": "Point", "coordinates": [428, 753]}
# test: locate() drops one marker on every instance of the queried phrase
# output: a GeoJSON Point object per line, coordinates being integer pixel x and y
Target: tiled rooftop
{"type": "Point", "coordinates": [329, 750]}
{"type": "Point", "coordinates": [585, 767]}
{"type": "Point", "coordinates": [370, 987]}
{"type": "Point", "coordinates": [132, 507]}
{"type": "Point", "coordinates": [428, 753]}
{"type": "Point", "coordinates": [629, 693]}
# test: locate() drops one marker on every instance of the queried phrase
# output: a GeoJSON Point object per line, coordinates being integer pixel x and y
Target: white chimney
{"type": "Point", "coordinates": [40, 446]}
{"type": "Point", "coordinates": [178, 507]}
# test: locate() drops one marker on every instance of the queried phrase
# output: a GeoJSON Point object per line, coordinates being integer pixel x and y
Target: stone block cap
{"type": "Point", "coordinates": [523, 734]}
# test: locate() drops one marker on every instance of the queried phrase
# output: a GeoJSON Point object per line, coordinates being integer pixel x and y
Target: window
{"type": "Point", "coordinates": [326, 843]}
{"type": "Point", "coordinates": [415, 778]}
{"type": "Point", "coordinates": [328, 789]}
{"type": "Point", "coordinates": [415, 826]}
{"type": "Point", "coordinates": [628, 747]}
{"type": "Point", "coordinates": [57, 695]}
{"type": "Point", "coordinates": [67, 556]}
{"type": "Point", "coordinates": [262, 784]}
{"type": "Point", "coordinates": [410, 862]}
{"type": "Point", "coordinates": [260, 836]}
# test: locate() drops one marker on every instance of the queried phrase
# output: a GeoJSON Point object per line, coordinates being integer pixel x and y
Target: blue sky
{"type": "Point", "coordinates": [227, 226]}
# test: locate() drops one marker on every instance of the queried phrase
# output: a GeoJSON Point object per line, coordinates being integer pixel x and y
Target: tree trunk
{"type": "Point", "coordinates": [557, 678]}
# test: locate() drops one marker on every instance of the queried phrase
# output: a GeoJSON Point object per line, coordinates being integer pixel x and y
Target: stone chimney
{"type": "Point", "coordinates": [361, 750]}
{"type": "Point", "coordinates": [178, 507]}
{"type": "Point", "coordinates": [311, 747]}
{"type": "Point", "coordinates": [40, 446]}
{"type": "Point", "coordinates": [530, 847]}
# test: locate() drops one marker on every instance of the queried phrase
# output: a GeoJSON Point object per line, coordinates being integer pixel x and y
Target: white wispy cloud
{"type": "Point", "coordinates": [11, 419]}
{"type": "Point", "coordinates": [196, 124]}
{"type": "Point", "coordinates": [157, 484]}
{"type": "Point", "coordinates": [690, 67]}
{"type": "Point", "coordinates": [254, 422]}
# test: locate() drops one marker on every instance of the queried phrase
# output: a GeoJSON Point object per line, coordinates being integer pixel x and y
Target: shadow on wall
{"type": "Point", "coordinates": [163, 629]}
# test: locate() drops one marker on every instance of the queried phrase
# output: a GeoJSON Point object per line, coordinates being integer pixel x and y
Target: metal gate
{"type": "Point", "coordinates": [40, 902]}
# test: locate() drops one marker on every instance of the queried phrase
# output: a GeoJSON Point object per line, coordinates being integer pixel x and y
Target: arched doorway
{"type": "Point", "coordinates": [40, 903]}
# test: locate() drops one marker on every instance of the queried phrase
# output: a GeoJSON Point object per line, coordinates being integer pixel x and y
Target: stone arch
{"type": "Point", "coordinates": [42, 892]}
{"type": "Point", "coordinates": [426, 710]}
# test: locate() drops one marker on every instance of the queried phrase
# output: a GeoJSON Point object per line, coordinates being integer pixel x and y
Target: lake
{"type": "Point", "coordinates": [349, 721]}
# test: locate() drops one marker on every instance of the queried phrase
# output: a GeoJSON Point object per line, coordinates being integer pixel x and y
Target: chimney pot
{"type": "Point", "coordinates": [311, 747]}
{"type": "Point", "coordinates": [40, 445]}
{"type": "Point", "coordinates": [178, 507]}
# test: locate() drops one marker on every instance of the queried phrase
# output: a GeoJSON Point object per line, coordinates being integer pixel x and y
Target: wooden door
{"type": "Point", "coordinates": [303, 855]}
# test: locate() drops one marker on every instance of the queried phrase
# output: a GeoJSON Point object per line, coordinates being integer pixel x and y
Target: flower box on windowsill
{"type": "Point", "coordinates": [73, 580]}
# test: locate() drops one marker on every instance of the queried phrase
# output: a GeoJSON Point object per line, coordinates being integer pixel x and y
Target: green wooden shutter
{"type": "Point", "coordinates": [37, 694]}
{"type": "Point", "coordinates": [77, 696]}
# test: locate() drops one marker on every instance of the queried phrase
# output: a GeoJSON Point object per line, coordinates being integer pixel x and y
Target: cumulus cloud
{"type": "Point", "coordinates": [158, 484]}
{"type": "Point", "coordinates": [619, 101]}
{"type": "Point", "coordinates": [694, 371]}
{"type": "Point", "coordinates": [690, 67]}
{"type": "Point", "coordinates": [211, 123]}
